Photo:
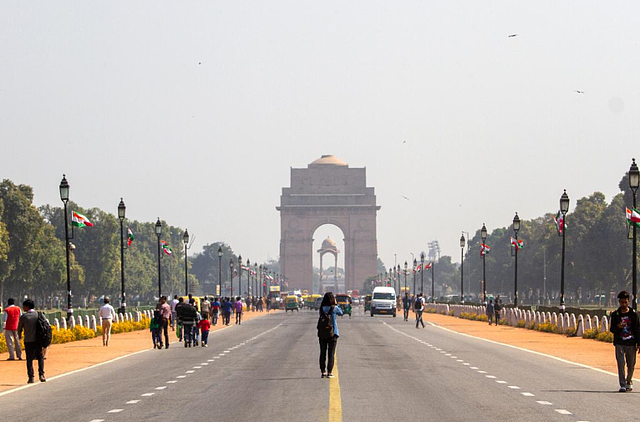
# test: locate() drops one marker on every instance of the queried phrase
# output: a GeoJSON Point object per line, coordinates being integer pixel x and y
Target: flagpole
{"type": "Point", "coordinates": [634, 183]}
{"type": "Point", "coordinates": [158, 233]}
{"type": "Point", "coordinates": [121, 213]}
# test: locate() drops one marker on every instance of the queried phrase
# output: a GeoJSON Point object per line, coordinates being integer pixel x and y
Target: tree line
{"type": "Point", "coordinates": [32, 255]}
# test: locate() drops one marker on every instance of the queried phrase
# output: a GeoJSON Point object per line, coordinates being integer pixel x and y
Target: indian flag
{"type": "Point", "coordinates": [166, 248]}
{"type": "Point", "coordinates": [79, 220]}
{"type": "Point", "coordinates": [427, 266]}
{"type": "Point", "coordinates": [559, 220]}
{"type": "Point", "coordinates": [129, 236]}
{"type": "Point", "coordinates": [633, 216]}
{"type": "Point", "coordinates": [518, 244]}
{"type": "Point", "coordinates": [484, 249]}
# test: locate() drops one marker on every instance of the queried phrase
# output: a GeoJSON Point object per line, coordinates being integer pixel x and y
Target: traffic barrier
{"type": "Point", "coordinates": [93, 323]}
{"type": "Point", "coordinates": [86, 321]}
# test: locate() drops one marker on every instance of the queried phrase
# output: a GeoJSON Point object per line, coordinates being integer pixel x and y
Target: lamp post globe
{"type": "Point", "coordinates": [462, 243]}
{"type": "Point", "coordinates": [64, 197]}
{"type": "Point", "coordinates": [564, 208]}
{"type": "Point", "coordinates": [122, 209]}
{"type": "Point", "coordinates": [634, 182]}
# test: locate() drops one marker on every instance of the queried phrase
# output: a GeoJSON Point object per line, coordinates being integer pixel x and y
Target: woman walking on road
{"type": "Point", "coordinates": [328, 333]}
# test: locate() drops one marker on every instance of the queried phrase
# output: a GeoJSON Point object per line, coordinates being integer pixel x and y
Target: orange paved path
{"type": "Point", "coordinates": [588, 352]}
{"type": "Point", "coordinates": [81, 354]}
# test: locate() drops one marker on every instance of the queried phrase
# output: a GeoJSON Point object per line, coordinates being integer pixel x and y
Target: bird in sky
{"type": "Point", "coordinates": [513, 35]}
{"type": "Point", "coordinates": [405, 197]}
{"type": "Point", "coordinates": [579, 92]}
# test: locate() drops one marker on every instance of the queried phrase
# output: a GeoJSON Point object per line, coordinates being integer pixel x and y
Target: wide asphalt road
{"type": "Point", "coordinates": [267, 369]}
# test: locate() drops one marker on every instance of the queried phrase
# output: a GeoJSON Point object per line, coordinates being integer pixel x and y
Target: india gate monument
{"type": "Point", "coordinates": [328, 192]}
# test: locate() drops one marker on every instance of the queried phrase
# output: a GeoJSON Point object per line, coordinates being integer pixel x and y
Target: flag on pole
{"type": "Point", "coordinates": [427, 266]}
{"type": "Point", "coordinates": [633, 216]}
{"type": "Point", "coordinates": [559, 220]}
{"type": "Point", "coordinates": [166, 248]}
{"type": "Point", "coordinates": [518, 244]}
{"type": "Point", "coordinates": [419, 268]}
{"type": "Point", "coordinates": [130, 237]}
{"type": "Point", "coordinates": [79, 220]}
{"type": "Point", "coordinates": [484, 249]}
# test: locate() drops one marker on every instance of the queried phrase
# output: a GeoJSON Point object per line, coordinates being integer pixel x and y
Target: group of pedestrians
{"type": "Point", "coordinates": [16, 323]}
{"type": "Point", "coordinates": [493, 310]}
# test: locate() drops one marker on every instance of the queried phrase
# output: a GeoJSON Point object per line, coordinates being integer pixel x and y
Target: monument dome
{"type": "Point", "coordinates": [329, 160]}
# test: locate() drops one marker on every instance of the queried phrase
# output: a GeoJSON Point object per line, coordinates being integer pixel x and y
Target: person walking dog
{"type": "Point", "coordinates": [328, 333]}
{"type": "Point", "coordinates": [626, 340]}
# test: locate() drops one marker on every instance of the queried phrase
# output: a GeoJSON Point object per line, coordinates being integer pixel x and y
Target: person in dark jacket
{"type": "Point", "coordinates": [329, 307]}
{"type": "Point", "coordinates": [28, 323]}
{"type": "Point", "coordinates": [626, 338]}
{"type": "Point", "coordinates": [189, 320]}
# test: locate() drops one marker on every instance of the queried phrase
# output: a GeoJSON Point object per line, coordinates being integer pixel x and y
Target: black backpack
{"type": "Point", "coordinates": [325, 325]}
{"type": "Point", "coordinates": [43, 331]}
{"type": "Point", "coordinates": [417, 305]}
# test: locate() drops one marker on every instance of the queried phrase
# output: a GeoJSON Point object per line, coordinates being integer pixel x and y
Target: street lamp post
{"type": "Point", "coordinates": [231, 277]}
{"type": "Point", "coordinates": [462, 241]}
{"type": "Point", "coordinates": [415, 265]}
{"type": "Point", "coordinates": [248, 277]}
{"type": "Point", "coordinates": [634, 182]}
{"type": "Point", "coordinates": [185, 239]}
{"type": "Point", "coordinates": [422, 272]}
{"type": "Point", "coordinates": [121, 213]}
{"type": "Point", "coordinates": [433, 281]}
{"type": "Point", "coordinates": [239, 275]}
{"type": "Point", "coordinates": [64, 196]}
{"type": "Point", "coordinates": [219, 271]}
{"type": "Point", "coordinates": [158, 233]}
{"type": "Point", "coordinates": [516, 229]}
{"type": "Point", "coordinates": [406, 268]}
{"type": "Point", "coordinates": [564, 209]}
{"type": "Point", "coordinates": [483, 236]}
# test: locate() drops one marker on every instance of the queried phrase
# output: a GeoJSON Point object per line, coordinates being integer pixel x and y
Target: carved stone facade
{"type": "Point", "coordinates": [328, 192]}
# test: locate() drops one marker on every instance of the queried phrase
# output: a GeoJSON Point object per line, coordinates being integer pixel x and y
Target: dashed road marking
{"type": "Point", "coordinates": [148, 394]}
{"type": "Point", "coordinates": [133, 401]}
{"type": "Point", "coordinates": [161, 388]}
{"type": "Point", "coordinates": [115, 410]}
{"type": "Point", "coordinates": [528, 395]}
{"type": "Point", "coordinates": [501, 382]}
{"type": "Point", "coordinates": [190, 372]}
{"type": "Point", "coordinates": [473, 367]}
{"type": "Point", "coordinates": [482, 372]}
{"type": "Point", "coordinates": [197, 367]}
{"type": "Point", "coordinates": [181, 376]}
{"type": "Point", "coordinates": [172, 382]}
{"type": "Point", "coordinates": [514, 387]}
{"type": "Point", "coordinates": [544, 403]}
{"type": "Point", "coordinates": [563, 411]}
{"type": "Point", "coordinates": [491, 376]}
{"type": "Point", "coordinates": [96, 420]}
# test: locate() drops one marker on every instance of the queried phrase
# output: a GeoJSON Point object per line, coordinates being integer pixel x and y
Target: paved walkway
{"type": "Point", "coordinates": [76, 355]}
{"type": "Point", "coordinates": [587, 352]}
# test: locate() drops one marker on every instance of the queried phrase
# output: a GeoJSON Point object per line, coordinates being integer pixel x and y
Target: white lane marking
{"type": "Point", "coordinates": [96, 420]}
{"type": "Point", "coordinates": [501, 382]}
{"type": "Point", "coordinates": [172, 382]}
{"type": "Point", "coordinates": [563, 411]}
{"type": "Point", "coordinates": [582, 365]}
{"type": "Point", "coordinates": [181, 376]}
{"type": "Point", "coordinates": [216, 357]}
{"type": "Point", "coordinates": [220, 354]}
{"type": "Point", "coordinates": [466, 364]}
{"type": "Point", "coordinates": [148, 394]}
{"type": "Point", "coordinates": [482, 372]}
{"type": "Point", "coordinates": [544, 403]}
{"type": "Point", "coordinates": [447, 354]}
{"type": "Point", "coordinates": [209, 360]}
{"type": "Point", "coordinates": [204, 364]}
{"type": "Point", "coordinates": [459, 360]}
{"type": "Point", "coordinates": [491, 376]}
{"type": "Point", "coordinates": [514, 387]}
{"type": "Point", "coordinates": [190, 372]}
{"type": "Point", "coordinates": [132, 401]}
{"type": "Point", "coordinates": [438, 349]}
{"type": "Point", "coordinates": [197, 367]}
{"type": "Point", "coordinates": [528, 395]}
{"type": "Point", "coordinates": [115, 410]}
{"type": "Point", "coordinates": [473, 367]}
{"type": "Point", "coordinates": [227, 351]}
{"type": "Point", "coordinates": [161, 388]}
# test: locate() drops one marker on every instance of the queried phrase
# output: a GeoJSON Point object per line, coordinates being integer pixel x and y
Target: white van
{"type": "Point", "coordinates": [383, 301]}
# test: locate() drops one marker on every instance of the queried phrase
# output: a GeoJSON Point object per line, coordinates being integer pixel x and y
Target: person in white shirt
{"type": "Point", "coordinates": [106, 315]}
{"type": "Point", "coordinates": [174, 314]}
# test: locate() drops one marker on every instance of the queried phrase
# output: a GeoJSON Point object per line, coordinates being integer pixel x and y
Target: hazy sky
{"type": "Point", "coordinates": [195, 111]}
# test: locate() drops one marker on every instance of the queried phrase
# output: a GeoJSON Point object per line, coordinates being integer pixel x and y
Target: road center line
{"type": "Point", "coordinates": [335, 399]}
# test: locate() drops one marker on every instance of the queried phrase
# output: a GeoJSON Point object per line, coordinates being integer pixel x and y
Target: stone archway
{"type": "Point", "coordinates": [328, 192]}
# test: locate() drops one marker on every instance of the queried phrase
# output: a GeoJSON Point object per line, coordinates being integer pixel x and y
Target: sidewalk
{"type": "Point", "coordinates": [584, 351]}
{"type": "Point", "coordinates": [76, 355]}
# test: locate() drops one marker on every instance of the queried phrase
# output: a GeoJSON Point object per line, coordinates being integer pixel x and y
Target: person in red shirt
{"type": "Point", "coordinates": [10, 323]}
{"type": "Point", "coordinates": [204, 325]}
